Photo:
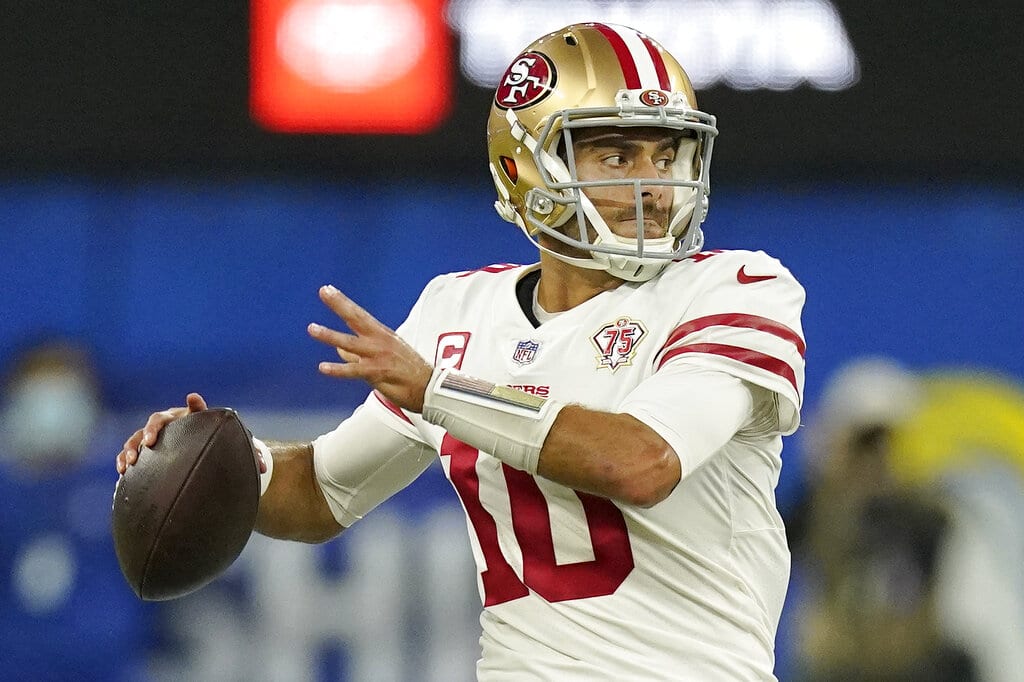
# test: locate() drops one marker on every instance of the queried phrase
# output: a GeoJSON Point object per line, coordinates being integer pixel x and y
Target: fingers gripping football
{"type": "Point", "coordinates": [146, 436]}
{"type": "Point", "coordinates": [372, 352]}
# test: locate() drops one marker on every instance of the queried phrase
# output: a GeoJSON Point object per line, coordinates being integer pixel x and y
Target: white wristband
{"type": "Point", "coordinates": [268, 459]}
{"type": "Point", "coordinates": [501, 421]}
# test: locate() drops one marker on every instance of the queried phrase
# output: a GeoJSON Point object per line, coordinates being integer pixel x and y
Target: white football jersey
{"type": "Point", "coordinates": [576, 587]}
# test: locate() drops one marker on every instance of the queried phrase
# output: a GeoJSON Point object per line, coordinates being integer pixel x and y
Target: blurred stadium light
{"type": "Point", "coordinates": [349, 66]}
{"type": "Point", "coordinates": [382, 66]}
{"type": "Point", "coordinates": [741, 44]}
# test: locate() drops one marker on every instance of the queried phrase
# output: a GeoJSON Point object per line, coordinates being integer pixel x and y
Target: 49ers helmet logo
{"type": "Point", "coordinates": [528, 80]}
{"type": "Point", "coordinates": [654, 98]}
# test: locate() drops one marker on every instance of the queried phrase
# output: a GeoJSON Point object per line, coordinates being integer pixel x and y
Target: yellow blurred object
{"type": "Point", "coordinates": [963, 416]}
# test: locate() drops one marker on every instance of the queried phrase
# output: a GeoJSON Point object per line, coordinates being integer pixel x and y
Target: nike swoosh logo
{"type": "Point", "coordinates": [743, 278]}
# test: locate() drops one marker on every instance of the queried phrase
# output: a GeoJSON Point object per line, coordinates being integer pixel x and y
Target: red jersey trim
{"type": "Point", "coordinates": [703, 255]}
{"type": "Point", "coordinates": [740, 320]}
{"type": "Point", "coordinates": [397, 411]}
{"type": "Point", "coordinates": [744, 355]}
{"type": "Point", "coordinates": [497, 267]}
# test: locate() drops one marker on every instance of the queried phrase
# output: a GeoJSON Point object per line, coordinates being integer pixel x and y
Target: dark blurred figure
{"type": "Point", "coordinates": [870, 544]}
{"type": "Point", "coordinates": [66, 613]}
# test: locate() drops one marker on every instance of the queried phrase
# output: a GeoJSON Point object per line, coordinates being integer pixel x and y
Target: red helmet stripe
{"type": "Point", "coordinates": [626, 61]}
{"type": "Point", "coordinates": [659, 63]}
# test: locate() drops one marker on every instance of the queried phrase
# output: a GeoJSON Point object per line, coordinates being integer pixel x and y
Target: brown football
{"type": "Point", "coordinates": [184, 512]}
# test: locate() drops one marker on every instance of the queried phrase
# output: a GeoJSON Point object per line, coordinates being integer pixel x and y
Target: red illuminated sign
{"type": "Point", "coordinates": [349, 66]}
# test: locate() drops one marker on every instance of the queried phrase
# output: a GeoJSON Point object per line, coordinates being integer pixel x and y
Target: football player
{"type": "Point", "coordinates": [611, 417]}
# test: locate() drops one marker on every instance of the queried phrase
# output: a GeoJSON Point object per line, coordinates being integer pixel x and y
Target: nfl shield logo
{"type": "Point", "coordinates": [525, 353]}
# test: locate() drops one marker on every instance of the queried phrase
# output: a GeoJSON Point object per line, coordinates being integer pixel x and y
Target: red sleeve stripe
{"type": "Point", "coordinates": [659, 63]}
{"type": "Point", "coordinates": [744, 355]}
{"type": "Point", "coordinates": [762, 324]}
{"type": "Point", "coordinates": [392, 407]}
{"type": "Point", "coordinates": [626, 61]}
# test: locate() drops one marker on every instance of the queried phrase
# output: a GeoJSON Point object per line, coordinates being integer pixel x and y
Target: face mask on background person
{"type": "Point", "coordinates": [48, 419]}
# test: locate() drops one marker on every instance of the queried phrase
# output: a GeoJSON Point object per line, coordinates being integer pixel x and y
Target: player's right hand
{"type": "Point", "coordinates": [147, 434]}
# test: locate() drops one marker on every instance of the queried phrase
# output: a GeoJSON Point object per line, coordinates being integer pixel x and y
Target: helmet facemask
{"type": "Point", "coordinates": [630, 258]}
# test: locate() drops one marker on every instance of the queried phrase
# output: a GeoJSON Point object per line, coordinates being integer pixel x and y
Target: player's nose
{"type": "Point", "coordinates": [655, 194]}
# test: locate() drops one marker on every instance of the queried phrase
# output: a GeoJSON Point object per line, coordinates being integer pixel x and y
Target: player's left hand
{"type": "Point", "coordinates": [373, 353]}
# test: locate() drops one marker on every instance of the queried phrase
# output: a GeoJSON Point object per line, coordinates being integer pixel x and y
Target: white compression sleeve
{"type": "Point", "coordinates": [508, 424]}
{"type": "Point", "coordinates": [364, 462]}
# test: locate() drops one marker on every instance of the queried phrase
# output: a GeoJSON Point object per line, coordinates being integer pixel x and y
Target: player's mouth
{"type": "Point", "coordinates": [652, 228]}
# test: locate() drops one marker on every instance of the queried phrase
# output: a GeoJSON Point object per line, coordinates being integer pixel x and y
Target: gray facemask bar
{"type": "Point", "coordinates": [539, 201]}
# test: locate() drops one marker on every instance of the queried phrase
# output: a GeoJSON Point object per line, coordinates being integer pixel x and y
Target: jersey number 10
{"type": "Point", "coordinates": [613, 556]}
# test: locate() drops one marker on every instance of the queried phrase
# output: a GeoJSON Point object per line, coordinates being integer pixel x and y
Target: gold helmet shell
{"type": "Point", "coordinates": [589, 75]}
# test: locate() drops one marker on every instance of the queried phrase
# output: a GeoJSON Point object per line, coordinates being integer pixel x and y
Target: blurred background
{"type": "Point", "coordinates": [176, 180]}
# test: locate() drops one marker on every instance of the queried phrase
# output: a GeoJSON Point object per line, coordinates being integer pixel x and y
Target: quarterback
{"type": "Point", "coordinates": [610, 417]}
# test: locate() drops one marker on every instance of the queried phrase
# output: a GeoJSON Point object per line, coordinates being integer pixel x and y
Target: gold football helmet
{"type": "Point", "coordinates": [590, 75]}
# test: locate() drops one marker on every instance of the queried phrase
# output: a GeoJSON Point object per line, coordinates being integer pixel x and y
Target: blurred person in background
{"type": "Point", "coordinates": [65, 610]}
{"type": "Point", "coordinates": [912, 537]}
